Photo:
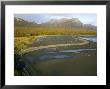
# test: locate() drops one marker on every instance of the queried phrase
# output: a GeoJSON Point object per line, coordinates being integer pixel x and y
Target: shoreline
{"type": "Point", "coordinates": [57, 35]}
{"type": "Point", "coordinates": [51, 46]}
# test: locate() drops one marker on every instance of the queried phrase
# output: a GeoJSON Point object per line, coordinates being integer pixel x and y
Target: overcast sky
{"type": "Point", "coordinates": [90, 18]}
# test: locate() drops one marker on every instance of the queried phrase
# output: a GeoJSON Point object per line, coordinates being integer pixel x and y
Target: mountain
{"type": "Point", "coordinates": [89, 26]}
{"type": "Point", "coordinates": [63, 22]}
{"type": "Point", "coordinates": [22, 22]}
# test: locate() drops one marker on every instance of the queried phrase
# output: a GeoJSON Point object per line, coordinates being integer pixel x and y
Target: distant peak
{"type": "Point", "coordinates": [18, 19]}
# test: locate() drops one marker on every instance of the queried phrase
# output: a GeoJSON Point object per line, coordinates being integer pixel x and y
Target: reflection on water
{"type": "Point", "coordinates": [93, 38]}
{"type": "Point", "coordinates": [60, 54]}
{"type": "Point", "coordinates": [53, 56]}
{"type": "Point", "coordinates": [78, 50]}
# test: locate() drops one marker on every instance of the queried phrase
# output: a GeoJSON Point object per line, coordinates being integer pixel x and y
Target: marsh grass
{"type": "Point", "coordinates": [35, 31]}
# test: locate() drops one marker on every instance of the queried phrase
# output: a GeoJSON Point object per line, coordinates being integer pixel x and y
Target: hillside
{"type": "Point", "coordinates": [64, 23]}
{"type": "Point", "coordinates": [18, 22]}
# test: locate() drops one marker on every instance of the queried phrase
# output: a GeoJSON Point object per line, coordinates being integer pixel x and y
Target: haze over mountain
{"type": "Point", "coordinates": [22, 22]}
{"type": "Point", "coordinates": [63, 22]}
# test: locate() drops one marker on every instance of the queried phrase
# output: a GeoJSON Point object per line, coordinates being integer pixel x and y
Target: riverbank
{"type": "Point", "coordinates": [80, 41]}
{"type": "Point", "coordinates": [20, 43]}
{"type": "Point", "coordinates": [40, 60]}
{"type": "Point", "coordinates": [50, 46]}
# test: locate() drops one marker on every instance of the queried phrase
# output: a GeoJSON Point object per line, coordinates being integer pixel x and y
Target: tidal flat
{"type": "Point", "coordinates": [69, 60]}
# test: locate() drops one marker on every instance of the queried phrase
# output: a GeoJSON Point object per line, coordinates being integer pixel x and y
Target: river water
{"type": "Point", "coordinates": [58, 53]}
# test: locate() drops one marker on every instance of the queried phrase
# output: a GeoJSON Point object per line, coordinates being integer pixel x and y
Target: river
{"type": "Point", "coordinates": [74, 60]}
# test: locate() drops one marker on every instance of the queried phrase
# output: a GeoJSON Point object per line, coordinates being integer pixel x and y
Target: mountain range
{"type": "Point", "coordinates": [63, 22]}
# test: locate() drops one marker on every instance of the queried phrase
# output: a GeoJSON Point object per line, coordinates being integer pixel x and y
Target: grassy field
{"type": "Point", "coordinates": [21, 43]}
{"type": "Point", "coordinates": [35, 31]}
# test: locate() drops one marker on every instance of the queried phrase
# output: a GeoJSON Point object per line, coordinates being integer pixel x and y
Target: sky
{"type": "Point", "coordinates": [90, 18]}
